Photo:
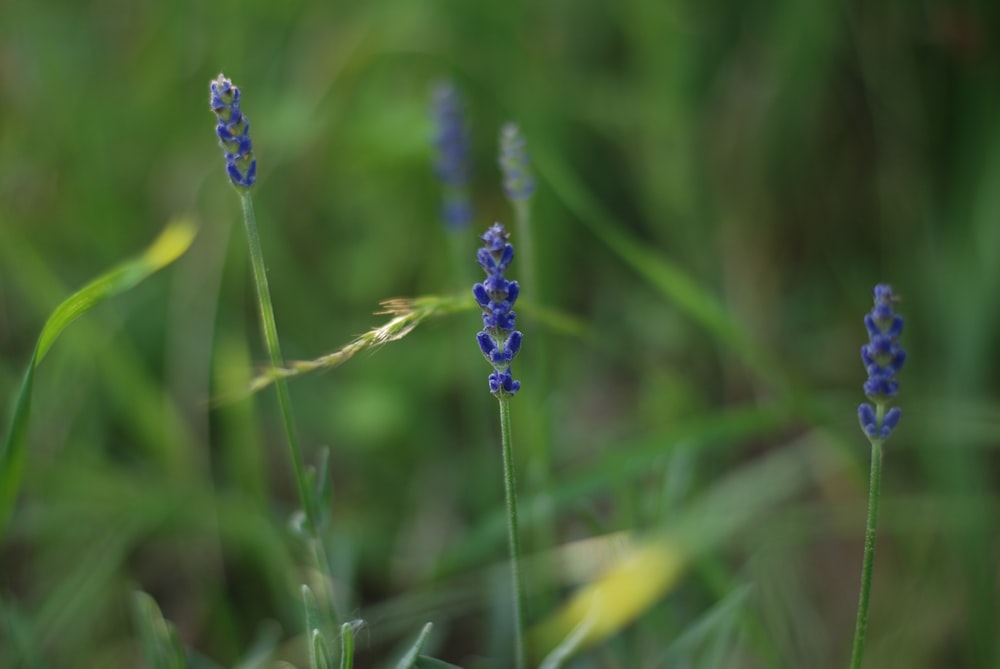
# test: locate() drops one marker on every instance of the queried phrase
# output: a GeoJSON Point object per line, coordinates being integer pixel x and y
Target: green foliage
{"type": "Point", "coordinates": [170, 245]}
{"type": "Point", "coordinates": [719, 186]}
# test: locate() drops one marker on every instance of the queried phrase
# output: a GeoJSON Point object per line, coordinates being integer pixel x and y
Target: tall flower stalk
{"type": "Point", "coordinates": [519, 186]}
{"type": "Point", "coordinates": [453, 170]}
{"type": "Point", "coordinates": [883, 358]}
{"type": "Point", "coordinates": [451, 165]}
{"type": "Point", "coordinates": [499, 343]}
{"type": "Point", "coordinates": [233, 131]}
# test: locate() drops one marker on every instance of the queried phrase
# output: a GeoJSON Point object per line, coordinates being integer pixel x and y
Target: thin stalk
{"type": "Point", "coordinates": [510, 489]}
{"type": "Point", "coordinates": [274, 351]}
{"type": "Point", "coordinates": [284, 399]}
{"type": "Point", "coordinates": [539, 423]}
{"type": "Point", "coordinates": [874, 493]}
{"type": "Point", "coordinates": [522, 212]}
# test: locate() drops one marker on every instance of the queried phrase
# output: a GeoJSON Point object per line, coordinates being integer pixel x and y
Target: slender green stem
{"type": "Point", "coordinates": [510, 488]}
{"type": "Point", "coordinates": [522, 212]}
{"type": "Point", "coordinates": [874, 493]}
{"type": "Point", "coordinates": [539, 424]}
{"type": "Point", "coordinates": [306, 497]}
{"type": "Point", "coordinates": [274, 351]}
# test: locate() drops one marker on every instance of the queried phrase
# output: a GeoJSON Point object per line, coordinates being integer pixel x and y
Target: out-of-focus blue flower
{"type": "Point", "coordinates": [882, 357]}
{"type": "Point", "coordinates": [498, 340]}
{"type": "Point", "coordinates": [233, 131]}
{"type": "Point", "coordinates": [452, 161]}
{"type": "Point", "coordinates": [518, 181]}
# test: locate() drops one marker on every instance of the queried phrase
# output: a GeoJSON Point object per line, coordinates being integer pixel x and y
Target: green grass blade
{"type": "Point", "coordinates": [169, 246]}
{"type": "Point", "coordinates": [425, 662]}
{"type": "Point", "coordinates": [319, 654]}
{"type": "Point", "coordinates": [317, 649]}
{"type": "Point", "coordinates": [161, 646]}
{"type": "Point", "coordinates": [410, 659]}
{"type": "Point", "coordinates": [346, 646]}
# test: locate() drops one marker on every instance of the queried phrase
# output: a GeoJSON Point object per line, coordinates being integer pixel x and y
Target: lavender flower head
{"type": "Point", "coordinates": [498, 340]}
{"type": "Point", "coordinates": [518, 181]}
{"type": "Point", "coordinates": [234, 132]}
{"type": "Point", "coordinates": [882, 357]}
{"type": "Point", "coordinates": [452, 164]}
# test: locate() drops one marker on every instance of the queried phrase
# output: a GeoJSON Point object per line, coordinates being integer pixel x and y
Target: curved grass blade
{"type": "Point", "coordinates": [169, 246]}
{"type": "Point", "coordinates": [410, 659]}
{"type": "Point", "coordinates": [161, 647]}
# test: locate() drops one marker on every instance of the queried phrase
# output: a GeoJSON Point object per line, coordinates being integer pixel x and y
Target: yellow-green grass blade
{"type": "Point", "coordinates": [169, 246]}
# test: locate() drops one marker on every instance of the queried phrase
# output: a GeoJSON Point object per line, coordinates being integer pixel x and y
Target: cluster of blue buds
{"type": "Point", "coordinates": [496, 295]}
{"type": "Point", "coordinates": [518, 182]}
{"type": "Point", "coordinates": [883, 357]}
{"type": "Point", "coordinates": [234, 132]}
{"type": "Point", "coordinates": [452, 165]}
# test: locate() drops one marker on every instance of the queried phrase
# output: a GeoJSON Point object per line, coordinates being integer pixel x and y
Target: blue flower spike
{"type": "Point", "coordinates": [233, 131]}
{"type": "Point", "coordinates": [515, 164]}
{"type": "Point", "coordinates": [498, 340]}
{"type": "Point", "coordinates": [452, 165]}
{"type": "Point", "coordinates": [883, 358]}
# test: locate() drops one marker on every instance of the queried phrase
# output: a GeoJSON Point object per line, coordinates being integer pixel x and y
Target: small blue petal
{"type": "Point", "coordinates": [898, 359]}
{"type": "Point", "coordinates": [486, 343]}
{"type": "Point", "coordinates": [891, 418]}
{"type": "Point", "coordinates": [513, 290]}
{"type": "Point", "coordinates": [513, 344]}
{"type": "Point", "coordinates": [866, 415]}
{"type": "Point", "coordinates": [480, 295]}
{"type": "Point", "coordinates": [896, 328]}
{"type": "Point", "coordinates": [870, 325]}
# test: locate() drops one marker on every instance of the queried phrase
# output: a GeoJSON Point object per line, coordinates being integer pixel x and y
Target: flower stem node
{"type": "Point", "coordinates": [233, 131]}
{"type": "Point", "coordinates": [498, 340]}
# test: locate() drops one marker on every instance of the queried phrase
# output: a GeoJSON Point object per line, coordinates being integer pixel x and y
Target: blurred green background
{"type": "Point", "coordinates": [776, 159]}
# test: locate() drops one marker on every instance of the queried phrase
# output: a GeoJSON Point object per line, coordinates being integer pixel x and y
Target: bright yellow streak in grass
{"type": "Point", "coordinates": [171, 243]}
{"type": "Point", "coordinates": [622, 594]}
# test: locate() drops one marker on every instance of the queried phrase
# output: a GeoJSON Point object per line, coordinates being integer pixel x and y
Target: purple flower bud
{"type": "Point", "coordinates": [496, 296]}
{"type": "Point", "coordinates": [518, 182]}
{"type": "Point", "coordinates": [452, 161]}
{"type": "Point", "coordinates": [233, 132]}
{"type": "Point", "coordinates": [883, 358]}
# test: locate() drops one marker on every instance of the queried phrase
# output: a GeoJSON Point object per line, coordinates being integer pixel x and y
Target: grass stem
{"type": "Point", "coordinates": [874, 493]}
{"type": "Point", "coordinates": [510, 489]}
{"type": "Point", "coordinates": [274, 352]}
